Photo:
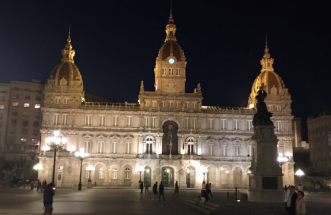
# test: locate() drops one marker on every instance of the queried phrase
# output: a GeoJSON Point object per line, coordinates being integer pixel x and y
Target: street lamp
{"type": "Point", "coordinates": [299, 173]}
{"type": "Point", "coordinates": [282, 159]}
{"type": "Point", "coordinates": [38, 167]}
{"type": "Point", "coordinates": [56, 142]}
{"type": "Point", "coordinates": [81, 155]}
{"type": "Point", "coordinates": [140, 169]}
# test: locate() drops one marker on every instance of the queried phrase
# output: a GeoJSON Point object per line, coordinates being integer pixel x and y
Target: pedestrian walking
{"type": "Point", "coordinates": [300, 204]}
{"type": "Point", "coordinates": [291, 199]}
{"type": "Point", "coordinates": [141, 187]}
{"type": "Point", "coordinates": [161, 191]}
{"type": "Point", "coordinates": [48, 199]}
{"type": "Point", "coordinates": [155, 188]}
{"type": "Point", "coordinates": [176, 189]}
{"type": "Point", "coordinates": [32, 185]}
{"type": "Point", "coordinates": [209, 190]}
{"type": "Point", "coordinates": [38, 185]}
{"type": "Point", "coordinates": [146, 188]}
{"type": "Point", "coordinates": [203, 186]}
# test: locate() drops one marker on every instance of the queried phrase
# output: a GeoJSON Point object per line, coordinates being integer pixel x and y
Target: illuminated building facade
{"type": "Point", "coordinates": [167, 136]}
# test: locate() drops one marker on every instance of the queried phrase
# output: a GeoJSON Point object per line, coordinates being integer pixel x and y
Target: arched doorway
{"type": "Point", "coordinates": [147, 176]}
{"type": "Point", "coordinates": [170, 130]}
{"type": "Point", "coordinates": [190, 177]}
{"type": "Point", "coordinates": [168, 176]}
{"type": "Point", "coordinates": [211, 175]}
{"type": "Point", "coordinates": [237, 177]}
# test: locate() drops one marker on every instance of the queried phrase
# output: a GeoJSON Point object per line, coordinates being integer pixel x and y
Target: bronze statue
{"type": "Point", "coordinates": [262, 117]}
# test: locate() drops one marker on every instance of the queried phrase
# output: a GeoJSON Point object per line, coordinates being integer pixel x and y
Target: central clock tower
{"type": "Point", "coordinates": [170, 66]}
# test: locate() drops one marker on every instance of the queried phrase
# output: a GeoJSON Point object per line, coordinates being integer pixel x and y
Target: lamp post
{"type": "Point", "coordinates": [89, 168]}
{"type": "Point", "coordinates": [140, 169]}
{"type": "Point", "coordinates": [81, 155]}
{"type": "Point", "coordinates": [56, 142]}
{"type": "Point", "coordinates": [38, 167]}
{"type": "Point", "coordinates": [299, 173]}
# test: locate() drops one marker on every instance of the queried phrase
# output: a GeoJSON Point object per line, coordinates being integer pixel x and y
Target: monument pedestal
{"type": "Point", "coordinates": [265, 179]}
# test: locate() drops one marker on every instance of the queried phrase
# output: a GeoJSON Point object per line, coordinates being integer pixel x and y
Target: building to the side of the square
{"type": "Point", "coordinates": [167, 136]}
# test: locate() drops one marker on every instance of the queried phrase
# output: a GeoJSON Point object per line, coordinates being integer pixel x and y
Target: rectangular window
{"type": "Point", "coordinates": [36, 123]}
{"type": "Point", "coordinates": [210, 123]}
{"type": "Point", "coordinates": [65, 119]}
{"type": "Point", "coordinates": [178, 104]}
{"type": "Point", "coordinates": [37, 106]}
{"type": "Point", "coordinates": [171, 71]}
{"type": "Point", "coordinates": [164, 71]}
{"type": "Point", "coordinates": [23, 140]}
{"type": "Point", "coordinates": [153, 122]}
{"type": "Point", "coordinates": [87, 146]}
{"type": "Point", "coordinates": [194, 123]}
{"type": "Point", "coordinates": [186, 123]}
{"type": "Point", "coordinates": [236, 124]}
{"type": "Point", "coordinates": [194, 105]}
{"type": "Point", "coordinates": [211, 153]}
{"type": "Point", "coordinates": [154, 103]}
{"type": "Point", "coordinates": [26, 114]}
{"type": "Point", "coordinates": [129, 121]}
{"type": "Point", "coordinates": [171, 104]}
{"type": "Point", "coordinates": [187, 104]}
{"type": "Point", "coordinates": [15, 104]}
{"type": "Point", "coordinates": [115, 121]}
{"type": "Point", "coordinates": [278, 108]}
{"type": "Point", "coordinates": [177, 71]}
{"type": "Point", "coordinates": [66, 101]}
{"type": "Point", "coordinates": [249, 152]}
{"type": "Point", "coordinates": [25, 123]}
{"type": "Point", "coordinates": [27, 97]}
{"type": "Point", "coordinates": [223, 150]}
{"type": "Point", "coordinates": [102, 120]}
{"type": "Point", "coordinates": [146, 122]}
{"type": "Point", "coordinates": [22, 148]}
{"type": "Point", "coordinates": [114, 148]}
{"type": "Point", "coordinates": [223, 124]}
{"type": "Point", "coordinates": [25, 131]}
{"type": "Point", "coordinates": [147, 103]}
{"type": "Point", "coordinates": [249, 125]}
{"type": "Point", "coordinates": [127, 148]}
{"type": "Point", "coordinates": [270, 108]}
{"type": "Point", "coordinates": [236, 150]}
{"type": "Point", "coordinates": [278, 125]}
{"type": "Point", "coordinates": [14, 121]}
{"type": "Point", "coordinates": [101, 146]}
{"type": "Point", "coordinates": [11, 148]}
{"type": "Point", "coordinates": [88, 120]}
{"type": "Point", "coordinates": [56, 119]}
{"type": "Point", "coordinates": [57, 100]}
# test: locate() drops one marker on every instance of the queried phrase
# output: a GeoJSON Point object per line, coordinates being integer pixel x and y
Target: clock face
{"type": "Point", "coordinates": [171, 61]}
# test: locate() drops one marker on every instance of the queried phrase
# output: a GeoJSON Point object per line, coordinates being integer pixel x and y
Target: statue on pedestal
{"type": "Point", "coordinates": [262, 117]}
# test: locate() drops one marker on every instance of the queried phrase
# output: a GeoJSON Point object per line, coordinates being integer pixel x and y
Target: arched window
{"type": "Point", "coordinates": [127, 173]}
{"type": "Point", "coordinates": [101, 175]}
{"type": "Point", "coordinates": [190, 145]}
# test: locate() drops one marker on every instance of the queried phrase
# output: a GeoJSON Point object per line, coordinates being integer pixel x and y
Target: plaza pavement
{"type": "Point", "coordinates": [130, 202]}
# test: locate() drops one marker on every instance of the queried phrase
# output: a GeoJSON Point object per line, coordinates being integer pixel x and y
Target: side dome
{"type": "Point", "coordinates": [270, 81]}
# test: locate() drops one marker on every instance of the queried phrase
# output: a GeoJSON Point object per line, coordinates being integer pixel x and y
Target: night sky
{"type": "Point", "coordinates": [117, 42]}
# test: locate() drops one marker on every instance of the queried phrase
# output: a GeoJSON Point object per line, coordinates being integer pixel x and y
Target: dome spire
{"type": "Point", "coordinates": [170, 28]}
{"type": "Point", "coordinates": [266, 61]}
{"type": "Point", "coordinates": [68, 53]}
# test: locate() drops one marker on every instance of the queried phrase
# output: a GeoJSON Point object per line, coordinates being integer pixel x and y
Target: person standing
{"type": "Point", "coordinates": [300, 204]}
{"type": "Point", "coordinates": [161, 191]}
{"type": "Point", "coordinates": [176, 189]}
{"type": "Point", "coordinates": [32, 185]}
{"type": "Point", "coordinates": [48, 199]}
{"type": "Point", "coordinates": [146, 188]}
{"type": "Point", "coordinates": [291, 199]}
{"type": "Point", "coordinates": [141, 187]}
{"type": "Point", "coordinates": [209, 190]}
{"type": "Point", "coordinates": [38, 185]}
{"type": "Point", "coordinates": [155, 188]}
